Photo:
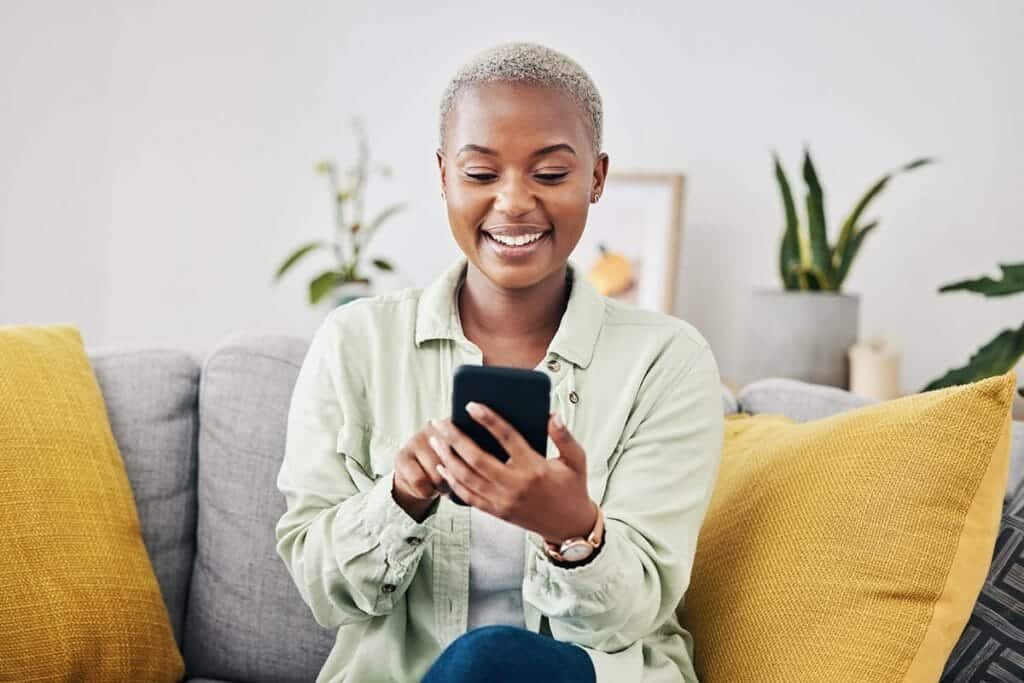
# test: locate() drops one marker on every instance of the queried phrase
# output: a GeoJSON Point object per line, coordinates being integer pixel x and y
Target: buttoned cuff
{"type": "Point", "coordinates": [401, 536]}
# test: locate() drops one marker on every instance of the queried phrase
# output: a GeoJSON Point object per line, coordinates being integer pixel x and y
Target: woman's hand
{"type": "Point", "coordinates": [548, 497]}
{"type": "Point", "coordinates": [417, 482]}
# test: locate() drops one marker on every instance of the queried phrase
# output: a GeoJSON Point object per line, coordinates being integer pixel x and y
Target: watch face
{"type": "Point", "coordinates": [577, 552]}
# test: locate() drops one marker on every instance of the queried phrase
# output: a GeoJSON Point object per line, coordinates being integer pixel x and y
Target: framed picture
{"type": "Point", "coordinates": [630, 247]}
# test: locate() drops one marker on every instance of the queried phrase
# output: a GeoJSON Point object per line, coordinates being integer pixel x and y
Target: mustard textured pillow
{"type": "Point", "coordinates": [851, 548]}
{"type": "Point", "coordinates": [80, 601]}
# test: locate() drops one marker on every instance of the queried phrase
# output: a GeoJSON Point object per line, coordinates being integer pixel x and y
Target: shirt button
{"type": "Point", "coordinates": [414, 540]}
{"type": "Point", "coordinates": [388, 588]}
{"type": "Point", "coordinates": [574, 397]}
{"type": "Point", "coordinates": [554, 365]}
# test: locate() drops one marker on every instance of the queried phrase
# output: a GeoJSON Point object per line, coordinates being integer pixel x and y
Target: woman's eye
{"type": "Point", "coordinates": [546, 177]}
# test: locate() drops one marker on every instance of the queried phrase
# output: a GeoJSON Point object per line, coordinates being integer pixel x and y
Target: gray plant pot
{"type": "Point", "coordinates": [799, 335]}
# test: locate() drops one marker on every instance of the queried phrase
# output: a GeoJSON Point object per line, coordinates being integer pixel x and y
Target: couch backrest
{"type": "Point", "coordinates": [246, 620]}
{"type": "Point", "coordinates": [151, 398]}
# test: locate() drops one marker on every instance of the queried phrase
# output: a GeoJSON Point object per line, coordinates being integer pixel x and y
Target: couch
{"type": "Point", "coordinates": [202, 441]}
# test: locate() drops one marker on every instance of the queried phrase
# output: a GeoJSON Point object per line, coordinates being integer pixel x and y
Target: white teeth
{"type": "Point", "coordinates": [517, 241]}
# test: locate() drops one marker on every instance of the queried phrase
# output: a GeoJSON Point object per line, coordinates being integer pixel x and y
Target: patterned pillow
{"type": "Point", "coordinates": [992, 644]}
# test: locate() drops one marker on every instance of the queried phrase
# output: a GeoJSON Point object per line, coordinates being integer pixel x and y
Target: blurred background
{"type": "Point", "coordinates": [157, 160]}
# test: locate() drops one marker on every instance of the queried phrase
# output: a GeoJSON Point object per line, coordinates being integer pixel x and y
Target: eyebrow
{"type": "Point", "coordinates": [539, 152]}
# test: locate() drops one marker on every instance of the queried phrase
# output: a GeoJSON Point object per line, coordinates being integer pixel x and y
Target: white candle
{"type": "Point", "coordinates": [875, 370]}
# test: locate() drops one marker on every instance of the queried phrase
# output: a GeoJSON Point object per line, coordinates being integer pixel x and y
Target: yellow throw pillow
{"type": "Point", "coordinates": [851, 548]}
{"type": "Point", "coordinates": [78, 597]}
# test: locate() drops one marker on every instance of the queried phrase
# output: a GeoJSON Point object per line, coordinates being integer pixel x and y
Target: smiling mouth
{"type": "Point", "coordinates": [517, 247]}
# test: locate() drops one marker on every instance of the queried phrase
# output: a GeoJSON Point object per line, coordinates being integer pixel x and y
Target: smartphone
{"type": "Point", "coordinates": [522, 397]}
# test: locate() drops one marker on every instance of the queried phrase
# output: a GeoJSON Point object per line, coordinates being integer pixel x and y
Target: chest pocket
{"type": "Point", "coordinates": [367, 453]}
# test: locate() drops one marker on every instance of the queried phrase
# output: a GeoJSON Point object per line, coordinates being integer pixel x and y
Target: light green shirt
{"type": "Point", "coordinates": [638, 389]}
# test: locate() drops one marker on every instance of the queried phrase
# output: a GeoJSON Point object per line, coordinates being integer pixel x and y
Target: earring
{"type": "Point", "coordinates": [594, 197]}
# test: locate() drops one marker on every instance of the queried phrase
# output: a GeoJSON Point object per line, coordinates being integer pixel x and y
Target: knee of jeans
{"type": "Point", "coordinates": [487, 641]}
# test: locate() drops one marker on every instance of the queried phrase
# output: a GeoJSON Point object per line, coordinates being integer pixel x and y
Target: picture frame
{"type": "Point", "coordinates": [639, 221]}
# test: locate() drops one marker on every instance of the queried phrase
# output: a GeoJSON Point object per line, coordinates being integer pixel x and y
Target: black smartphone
{"type": "Point", "coordinates": [522, 397]}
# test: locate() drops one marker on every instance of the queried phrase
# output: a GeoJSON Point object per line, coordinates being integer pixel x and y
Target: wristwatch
{"type": "Point", "coordinates": [577, 548]}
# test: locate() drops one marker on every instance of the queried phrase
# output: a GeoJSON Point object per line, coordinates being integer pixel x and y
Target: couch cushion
{"type": "Point", "coordinates": [246, 620]}
{"type": "Point", "coordinates": [151, 397]}
{"type": "Point", "coordinates": [851, 547]}
{"type": "Point", "coordinates": [990, 647]}
{"type": "Point", "coordinates": [803, 402]}
{"type": "Point", "coordinates": [79, 599]}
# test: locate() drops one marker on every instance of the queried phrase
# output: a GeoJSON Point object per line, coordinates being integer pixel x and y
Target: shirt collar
{"type": "Point", "coordinates": [575, 340]}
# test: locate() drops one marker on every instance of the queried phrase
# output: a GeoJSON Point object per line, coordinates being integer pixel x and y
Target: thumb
{"type": "Point", "coordinates": [569, 450]}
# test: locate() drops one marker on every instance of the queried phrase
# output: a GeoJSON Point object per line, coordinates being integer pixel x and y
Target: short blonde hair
{"type": "Point", "coordinates": [526, 63]}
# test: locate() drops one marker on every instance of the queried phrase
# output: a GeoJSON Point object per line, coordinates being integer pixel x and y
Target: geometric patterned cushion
{"type": "Point", "coordinates": [991, 647]}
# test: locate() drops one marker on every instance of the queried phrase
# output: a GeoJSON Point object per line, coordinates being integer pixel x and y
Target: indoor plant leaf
{"type": "Point", "coordinates": [1012, 282]}
{"type": "Point", "coordinates": [849, 225]}
{"type": "Point", "coordinates": [851, 252]}
{"type": "Point", "coordinates": [821, 254]}
{"type": "Point", "coordinates": [382, 216]}
{"type": "Point", "coordinates": [789, 254]}
{"type": "Point", "coordinates": [994, 358]}
{"type": "Point", "coordinates": [298, 254]}
{"type": "Point", "coordinates": [322, 284]}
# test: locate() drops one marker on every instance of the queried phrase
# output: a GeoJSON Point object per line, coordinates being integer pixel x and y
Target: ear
{"type": "Point", "coordinates": [441, 166]}
{"type": "Point", "coordinates": [600, 173]}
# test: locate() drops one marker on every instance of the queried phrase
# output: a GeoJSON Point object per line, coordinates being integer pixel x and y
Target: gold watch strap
{"type": "Point", "coordinates": [593, 539]}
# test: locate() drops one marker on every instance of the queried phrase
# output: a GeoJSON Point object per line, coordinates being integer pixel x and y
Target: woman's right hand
{"type": "Point", "coordinates": [417, 482]}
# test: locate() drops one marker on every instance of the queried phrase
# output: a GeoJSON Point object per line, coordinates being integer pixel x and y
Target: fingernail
{"type": "Point", "coordinates": [558, 422]}
{"type": "Point", "coordinates": [435, 443]}
{"type": "Point", "coordinates": [474, 409]}
{"type": "Point", "coordinates": [442, 471]}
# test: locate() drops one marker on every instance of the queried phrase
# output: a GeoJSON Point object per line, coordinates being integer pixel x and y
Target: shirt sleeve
{"type": "Point", "coordinates": [351, 550]}
{"type": "Point", "coordinates": [655, 500]}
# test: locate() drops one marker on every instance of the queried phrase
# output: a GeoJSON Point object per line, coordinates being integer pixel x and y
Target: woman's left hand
{"type": "Point", "coordinates": [546, 496]}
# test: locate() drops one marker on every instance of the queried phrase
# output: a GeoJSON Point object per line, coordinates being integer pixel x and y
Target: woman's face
{"type": "Point", "coordinates": [519, 163]}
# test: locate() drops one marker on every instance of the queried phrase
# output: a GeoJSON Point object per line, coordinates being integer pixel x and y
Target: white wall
{"type": "Point", "coordinates": [156, 159]}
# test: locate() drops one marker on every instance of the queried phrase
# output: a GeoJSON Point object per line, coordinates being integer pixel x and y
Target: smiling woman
{"type": "Point", "coordinates": [565, 565]}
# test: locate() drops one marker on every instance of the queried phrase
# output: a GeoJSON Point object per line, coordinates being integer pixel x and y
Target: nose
{"type": "Point", "coordinates": [515, 198]}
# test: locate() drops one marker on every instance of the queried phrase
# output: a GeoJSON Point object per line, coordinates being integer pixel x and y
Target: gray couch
{"type": "Point", "coordinates": [202, 441]}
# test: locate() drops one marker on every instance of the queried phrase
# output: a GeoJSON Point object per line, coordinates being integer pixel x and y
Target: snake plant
{"type": "Point", "coordinates": [1006, 349]}
{"type": "Point", "coordinates": [352, 235]}
{"type": "Point", "coordinates": [806, 259]}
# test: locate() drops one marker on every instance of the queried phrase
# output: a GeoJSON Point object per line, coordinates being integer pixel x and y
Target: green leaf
{"type": "Point", "coordinates": [810, 277]}
{"type": "Point", "coordinates": [789, 253]}
{"type": "Point", "coordinates": [296, 255]}
{"type": "Point", "coordinates": [917, 163]}
{"type": "Point", "coordinates": [851, 252]}
{"type": "Point", "coordinates": [382, 264]}
{"type": "Point", "coordinates": [849, 225]}
{"type": "Point", "coordinates": [821, 253]}
{"type": "Point", "coordinates": [384, 214]}
{"type": "Point", "coordinates": [322, 284]}
{"type": "Point", "coordinates": [1012, 282]}
{"type": "Point", "coordinates": [994, 358]}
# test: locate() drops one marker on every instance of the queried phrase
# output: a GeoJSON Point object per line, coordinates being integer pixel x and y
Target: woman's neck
{"type": "Point", "coordinates": [529, 317]}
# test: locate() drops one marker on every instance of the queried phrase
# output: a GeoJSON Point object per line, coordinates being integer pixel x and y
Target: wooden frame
{"type": "Point", "coordinates": [650, 202]}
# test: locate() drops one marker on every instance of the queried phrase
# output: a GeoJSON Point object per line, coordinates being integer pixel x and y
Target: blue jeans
{"type": "Point", "coordinates": [506, 654]}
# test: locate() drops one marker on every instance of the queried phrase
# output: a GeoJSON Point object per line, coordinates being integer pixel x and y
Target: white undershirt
{"type": "Point", "coordinates": [495, 571]}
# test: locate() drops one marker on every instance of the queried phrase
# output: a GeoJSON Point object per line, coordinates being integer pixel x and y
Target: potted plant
{"type": "Point", "coordinates": [1002, 352]}
{"type": "Point", "coordinates": [805, 330]}
{"type": "Point", "coordinates": [352, 235]}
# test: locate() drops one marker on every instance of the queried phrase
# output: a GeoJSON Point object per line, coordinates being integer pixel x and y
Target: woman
{"type": "Point", "coordinates": [422, 589]}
